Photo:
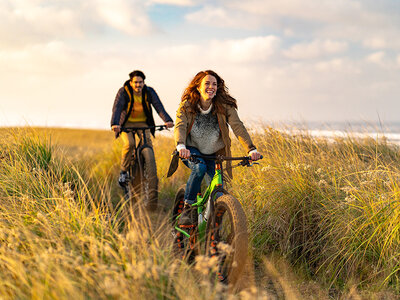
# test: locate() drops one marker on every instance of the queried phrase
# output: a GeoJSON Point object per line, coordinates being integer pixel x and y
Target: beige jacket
{"type": "Point", "coordinates": [185, 119]}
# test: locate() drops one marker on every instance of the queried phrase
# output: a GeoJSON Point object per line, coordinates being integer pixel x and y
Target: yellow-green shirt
{"type": "Point", "coordinates": [137, 114]}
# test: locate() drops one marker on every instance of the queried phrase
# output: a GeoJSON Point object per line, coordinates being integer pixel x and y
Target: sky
{"type": "Point", "coordinates": [63, 61]}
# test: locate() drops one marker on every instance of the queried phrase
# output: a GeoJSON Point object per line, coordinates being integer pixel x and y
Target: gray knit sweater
{"type": "Point", "coordinates": [205, 134]}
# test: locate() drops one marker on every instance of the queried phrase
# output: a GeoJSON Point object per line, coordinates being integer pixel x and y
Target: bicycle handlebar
{"type": "Point", "coordinates": [244, 160]}
{"type": "Point", "coordinates": [219, 158]}
{"type": "Point", "coordinates": [222, 157]}
{"type": "Point", "coordinates": [156, 127]}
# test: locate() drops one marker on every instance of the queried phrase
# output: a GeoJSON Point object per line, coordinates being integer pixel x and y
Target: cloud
{"type": "Point", "coordinates": [256, 49]}
{"type": "Point", "coordinates": [338, 89]}
{"type": "Point", "coordinates": [59, 80]}
{"type": "Point", "coordinates": [42, 21]}
{"type": "Point", "coordinates": [375, 43]}
{"type": "Point", "coordinates": [334, 59]}
{"type": "Point", "coordinates": [24, 23]}
{"type": "Point", "coordinates": [249, 50]}
{"type": "Point", "coordinates": [49, 61]}
{"type": "Point", "coordinates": [315, 10]}
{"type": "Point", "coordinates": [178, 55]}
{"type": "Point", "coordinates": [125, 16]}
{"type": "Point", "coordinates": [352, 20]}
{"type": "Point", "coordinates": [338, 65]}
{"type": "Point", "coordinates": [285, 15]}
{"type": "Point", "coordinates": [376, 57]}
{"type": "Point", "coordinates": [221, 16]}
{"type": "Point", "coordinates": [175, 2]}
{"type": "Point", "coordinates": [315, 49]}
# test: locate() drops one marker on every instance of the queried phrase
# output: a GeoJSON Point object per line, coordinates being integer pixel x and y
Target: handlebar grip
{"type": "Point", "coordinates": [261, 157]}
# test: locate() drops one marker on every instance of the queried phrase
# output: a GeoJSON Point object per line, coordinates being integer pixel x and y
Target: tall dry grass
{"type": "Point", "coordinates": [331, 208]}
{"type": "Point", "coordinates": [324, 213]}
{"type": "Point", "coordinates": [65, 234]}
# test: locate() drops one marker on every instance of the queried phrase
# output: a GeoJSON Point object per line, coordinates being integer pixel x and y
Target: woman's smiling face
{"type": "Point", "coordinates": [208, 87]}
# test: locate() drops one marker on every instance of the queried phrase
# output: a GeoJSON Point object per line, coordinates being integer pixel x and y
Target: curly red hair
{"type": "Point", "coordinates": [192, 95]}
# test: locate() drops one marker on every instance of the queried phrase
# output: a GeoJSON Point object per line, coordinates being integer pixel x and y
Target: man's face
{"type": "Point", "coordinates": [137, 84]}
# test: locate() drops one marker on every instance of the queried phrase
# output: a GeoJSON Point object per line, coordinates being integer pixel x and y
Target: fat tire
{"type": "Point", "coordinates": [146, 188]}
{"type": "Point", "coordinates": [131, 191]}
{"type": "Point", "coordinates": [180, 241]}
{"type": "Point", "coordinates": [178, 204]}
{"type": "Point", "coordinates": [234, 263]}
{"type": "Point", "coordinates": [183, 247]}
{"type": "Point", "coordinates": [130, 188]}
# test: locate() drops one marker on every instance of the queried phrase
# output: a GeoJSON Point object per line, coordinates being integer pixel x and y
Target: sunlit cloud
{"type": "Point", "coordinates": [24, 23]}
{"type": "Point", "coordinates": [126, 16]}
{"type": "Point", "coordinates": [315, 49]}
{"type": "Point", "coordinates": [375, 43]}
{"type": "Point", "coordinates": [376, 57]}
{"type": "Point", "coordinates": [42, 21]}
{"type": "Point", "coordinates": [54, 58]}
{"type": "Point", "coordinates": [175, 2]}
{"type": "Point", "coordinates": [314, 10]}
{"type": "Point", "coordinates": [343, 65]}
{"type": "Point", "coordinates": [311, 59]}
{"type": "Point", "coordinates": [178, 55]}
{"type": "Point", "coordinates": [249, 50]}
{"type": "Point", "coordinates": [223, 17]}
{"type": "Point", "coordinates": [352, 20]}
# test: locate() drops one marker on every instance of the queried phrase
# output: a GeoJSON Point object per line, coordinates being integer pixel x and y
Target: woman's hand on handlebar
{"type": "Point", "coordinates": [255, 155]}
{"type": "Point", "coordinates": [184, 153]}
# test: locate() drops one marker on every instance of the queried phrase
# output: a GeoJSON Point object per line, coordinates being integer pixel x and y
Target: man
{"type": "Point", "coordinates": [132, 108]}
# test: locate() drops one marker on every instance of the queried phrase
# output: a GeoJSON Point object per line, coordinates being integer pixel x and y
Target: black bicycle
{"type": "Point", "coordinates": [143, 180]}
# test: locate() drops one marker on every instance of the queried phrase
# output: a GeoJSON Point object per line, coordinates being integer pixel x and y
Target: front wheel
{"type": "Point", "coordinates": [227, 238]}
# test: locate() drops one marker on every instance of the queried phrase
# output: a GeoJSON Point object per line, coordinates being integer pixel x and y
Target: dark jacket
{"type": "Point", "coordinates": [123, 105]}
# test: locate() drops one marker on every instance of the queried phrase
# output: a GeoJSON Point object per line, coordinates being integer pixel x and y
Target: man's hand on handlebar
{"type": "Point", "coordinates": [116, 128]}
{"type": "Point", "coordinates": [169, 124]}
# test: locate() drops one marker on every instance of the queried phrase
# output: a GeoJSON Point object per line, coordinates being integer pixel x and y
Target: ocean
{"type": "Point", "coordinates": [388, 130]}
{"type": "Point", "coordinates": [378, 131]}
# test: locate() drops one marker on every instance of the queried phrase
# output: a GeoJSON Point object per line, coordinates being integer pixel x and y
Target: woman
{"type": "Point", "coordinates": [201, 127]}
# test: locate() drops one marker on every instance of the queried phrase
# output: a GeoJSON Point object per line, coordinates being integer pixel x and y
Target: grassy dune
{"type": "Point", "coordinates": [323, 219]}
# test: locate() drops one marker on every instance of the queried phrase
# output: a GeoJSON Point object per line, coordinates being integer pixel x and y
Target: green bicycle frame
{"type": "Point", "coordinates": [202, 200]}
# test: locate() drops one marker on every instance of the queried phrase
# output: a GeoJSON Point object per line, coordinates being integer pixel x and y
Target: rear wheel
{"type": "Point", "coordinates": [184, 247]}
{"type": "Point", "coordinates": [178, 203]}
{"type": "Point", "coordinates": [227, 238]}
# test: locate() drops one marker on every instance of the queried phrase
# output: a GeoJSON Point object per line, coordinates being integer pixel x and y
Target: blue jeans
{"type": "Point", "coordinates": [200, 169]}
